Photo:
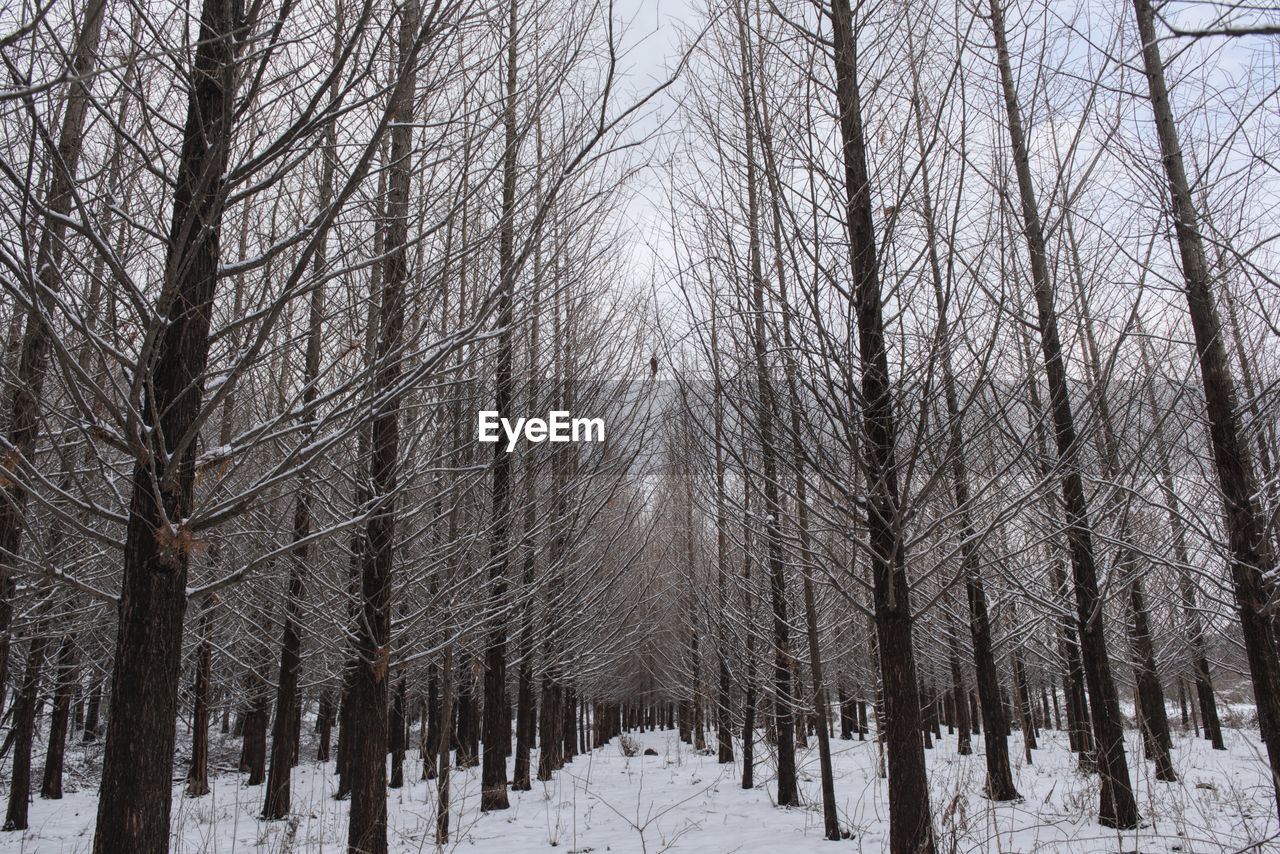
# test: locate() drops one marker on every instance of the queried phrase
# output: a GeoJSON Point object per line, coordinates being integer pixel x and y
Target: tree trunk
{"type": "Point", "coordinates": [198, 772]}
{"type": "Point", "coordinates": [497, 726]}
{"type": "Point", "coordinates": [60, 721]}
{"type": "Point", "coordinates": [284, 733]}
{"type": "Point", "coordinates": [24, 722]}
{"type": "Point", "coordinates": [1208, 705]}
{"type": "Point", "coordinates": [724, 730]}
{"type": "Point", "coordinates": [397, 736]}
{"type": "Point", "coordinates": [324, 725]}
{"type": "Point", "coordinates": [788, 792]}
{"type": "Point", "coordinates": [367, 825]}
{"type": "Point", "coordinates": [910, 820]}
{"type": "Point", "coordinates": [442, 750]}
{"type": "Point", "coordinates": [134, 804]}
{"type": "Point", "coordinates": [1117, 806]}
{"type": "Point", "coordinates": [749, 684]}
{"type": "Point", "coordinates": [1152, 716]}
{"type": "Point", "coordinates": [92, 712]}
{"type": "Point", "coordinates": [999, 783]}
{"type": "Point", "coordinates": [959, 693]}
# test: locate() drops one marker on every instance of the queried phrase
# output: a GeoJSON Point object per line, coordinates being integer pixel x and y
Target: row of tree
{"type": "Point", "coordinates": [954, 360]}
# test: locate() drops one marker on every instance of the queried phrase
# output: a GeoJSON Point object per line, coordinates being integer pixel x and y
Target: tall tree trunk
{"type": "Point", "coordinates": [1205, 700]}
{"type": "Point", "coordinates": [93, 711]}
{"type": "Point", "coordinates": [497, 726]}
{"type": "Point", "coordinates": [134, 803]}
{"type": "Point", "coordinates": [749, 683]}
{"type": "Point", "coordinates": [442, 749]}
{"type": "Point", "coordinates": [910, 820]}
{"type": "Point", "coordinates": [1081, 736]}
{"type": "Point", "coordinates": [283, 732]}
{"type": "Point", "coordinates": [724, 731]}
{"type": "Point", "coordinates": [324, 726]}
{"type": "Point", "coordinates": [1251, 556]}
{"type": "Point", "coordinates": [24, 722]}
{"type": "Point", "coordinates": [397, 738]}
{"type": "Point", "coordinates": [788, 792]}
{"type": "Point", "coordinates": [959, 693]}
{"type": "Point", "coordinates": [520, 777]}
{"type": "Point", "coordinates": [198, 771]}
{"type": "Point", "coordinates": [999, 783]}
{"type": "Point", "coordinates": [818, 688]}
{"type": "Point", "coordinates": [367, 826]}
{"type": "Point", "coordinates": [1152, 717]}
{"type": "Point", "coordinates": [60, 720]}
{"type": "Point", "coordinates": [1117, 806]}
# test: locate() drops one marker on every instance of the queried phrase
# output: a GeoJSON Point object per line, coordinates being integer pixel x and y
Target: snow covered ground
{"type": "Point", "coordinates": [683, 802]}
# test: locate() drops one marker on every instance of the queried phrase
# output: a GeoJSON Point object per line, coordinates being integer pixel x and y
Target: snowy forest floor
{"type": "Point", "coordinates": [682, 801]}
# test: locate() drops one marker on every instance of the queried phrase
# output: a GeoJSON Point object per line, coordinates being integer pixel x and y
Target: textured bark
{"type": "Point", "coordinates": [253, 751]}
{"type": "Point", "coordinates": [548, 730]}
{"type": "Point", "coordinates": [92, 711]}
{"type": "Point", "coordinates": [497, 727]}
{"type": "Point", "coordinates": [396, 735]}
{"type": "Point", "coordinates": [367, 825]}
{"type": "Point", "coordinates": [1117, 807]}
{"type": "Point", "coordinates": [24, 722]}
{"type": "Point", "coordinates": [134, 803]}
{"type": "Point", "coordinates": [198, 771]}
{"type": "Point", "coordinates": [60, 720]}
{"type": "Point", "coordinates": [910, 820]}
{"type": "Point", "coordinates": [765, 407]}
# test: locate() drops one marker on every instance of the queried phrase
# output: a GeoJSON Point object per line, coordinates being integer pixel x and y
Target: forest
{"type": "Point", "coordinates": [927, 360]}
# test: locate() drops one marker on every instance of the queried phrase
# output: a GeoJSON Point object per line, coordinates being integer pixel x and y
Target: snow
{"type": "Point", "coordinates": [681, 801]}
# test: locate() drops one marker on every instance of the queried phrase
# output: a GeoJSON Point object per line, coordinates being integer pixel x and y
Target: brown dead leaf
{"type": "Point", "coordinates": [176, 544]}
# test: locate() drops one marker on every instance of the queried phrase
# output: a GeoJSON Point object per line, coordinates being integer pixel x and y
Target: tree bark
{"type": "Point", "coordinates": [24, 722]}
{"type": "Point", "coordinates": [1117, 806]}
{"type": "Point", "coordinates": [1186, 584]}
{"type": "Point", "coordinates": [367, 825]}
{"type": "Point", "coordinates": [788, 792]}
{"type": "Point", "coordinates": [134, 803]}
{"type": "Point", "coordinates": [60, 720]}
{"type": "Point", "coordinates": [198, 772]}
{"type": "Point", "coordinates": [910, 820]}
{"type": "Point", "coordinates": [497, 726]}
{"type": "Point", "coordinates": [1251, 556]}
